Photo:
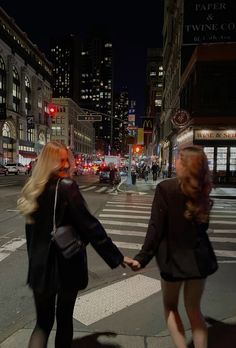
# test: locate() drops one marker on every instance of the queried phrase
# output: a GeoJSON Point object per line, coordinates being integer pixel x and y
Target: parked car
{"type": "Point", "coordinates": [16, 168]}
{"type": "Point", "coordinates": [3, 170]}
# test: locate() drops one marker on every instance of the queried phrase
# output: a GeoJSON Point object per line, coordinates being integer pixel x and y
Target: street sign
{"type": "Point", "coordinates": [132, 128]}
{"type": "Point", "coordinates": [89, 118]}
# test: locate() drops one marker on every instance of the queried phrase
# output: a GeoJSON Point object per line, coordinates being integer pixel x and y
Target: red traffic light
{"type": "Point", "coordinates": [137, 149]}
{"type": "Point", "coordinates": [52, 109]}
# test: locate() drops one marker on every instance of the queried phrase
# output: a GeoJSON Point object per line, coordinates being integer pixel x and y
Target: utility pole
{"type": "Point", "coordinates": [129, 179]}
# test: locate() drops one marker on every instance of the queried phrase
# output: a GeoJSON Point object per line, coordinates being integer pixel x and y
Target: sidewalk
{"type": "Point", "coordinates": [220, 334]}
{"type": "Point", "coordinates": [143, 187]}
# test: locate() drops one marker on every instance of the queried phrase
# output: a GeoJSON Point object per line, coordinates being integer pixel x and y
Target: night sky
{"type": "Point", "coordinates": [133, 26]}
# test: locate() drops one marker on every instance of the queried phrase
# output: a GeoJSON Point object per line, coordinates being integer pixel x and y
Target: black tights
{"type": "Point", "coordinates": [45, 310]}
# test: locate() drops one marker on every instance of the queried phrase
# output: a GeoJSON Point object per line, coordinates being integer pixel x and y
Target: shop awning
{"type": "Point", "coordinates": [28, 154]}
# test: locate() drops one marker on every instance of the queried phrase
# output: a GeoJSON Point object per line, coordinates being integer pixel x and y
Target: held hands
{"type": "Point", "coordinates": [133, 264]}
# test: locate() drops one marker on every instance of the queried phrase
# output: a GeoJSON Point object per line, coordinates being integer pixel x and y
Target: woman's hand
{"type": "Point", "coordinates": [127, 261]}
{"type": "Point", "coordinates": [133, 264]}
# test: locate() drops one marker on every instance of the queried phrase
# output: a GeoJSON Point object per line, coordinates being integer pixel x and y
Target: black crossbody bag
{"type": "Point", "coordinates": [65, 237]}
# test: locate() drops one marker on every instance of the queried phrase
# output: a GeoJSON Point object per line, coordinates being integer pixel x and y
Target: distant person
{"type": "Point", "coordinates": [55, 280]}
{"type": "Point", "coordinates": [145, 172]}
{"type": "Point", "coordinates": [164, 170]}
{"type": "Point", "coordinates": [177, 236]}
{"type": "Point", "coordinates": [113, 177]}
{"type": "Point", "coordinates": [155, 171]}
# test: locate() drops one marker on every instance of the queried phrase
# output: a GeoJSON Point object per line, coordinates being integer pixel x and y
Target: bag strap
{"type": "Point", "coordinates": [55, 206]}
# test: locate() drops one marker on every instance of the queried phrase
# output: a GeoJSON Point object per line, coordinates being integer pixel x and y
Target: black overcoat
{"type": "Point", "coordinates": [48, 269]}
{"type": "Point", "coordinates": [181, 247]}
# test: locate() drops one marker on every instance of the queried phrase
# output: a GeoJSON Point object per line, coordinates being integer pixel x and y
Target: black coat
{"type": "Point", "coordinates": [48, 269]}
{"type": "Point", "coordinates": [182, 247]}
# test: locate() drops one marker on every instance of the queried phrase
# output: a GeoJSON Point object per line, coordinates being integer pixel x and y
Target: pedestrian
{"type": "Point", "coordinates": [177, 236]}
{"type": "Point", "coordinates": [155, 170]}
{"type": "Point", "coordinates": [164, 170]}
{"type": "Point", "coordinates": [55, 280]}
{"type": "Point", "coordinates": [145, 171]}
{"type": "Point", "coordinates": [114, 177]}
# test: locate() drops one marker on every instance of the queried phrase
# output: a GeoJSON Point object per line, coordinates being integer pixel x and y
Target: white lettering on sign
{"type": "Point", "coordinates": [215, 135]}
{"type": "Point", "coordinates": [213, 6]}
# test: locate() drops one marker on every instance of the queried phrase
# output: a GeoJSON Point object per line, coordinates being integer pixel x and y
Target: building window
{"type": "Point", "coordinates": [21, 131]}
{"type": "Point", "coordinates": [2, 82]}
{"type": "Point", "coordinates": [16, 90]}
{"type": "Point", "coordinates": [27, 95]}
{"type": "Point", "coordinates": [6, 130]}
{"type": "Point", "coordinates": [31, 135]}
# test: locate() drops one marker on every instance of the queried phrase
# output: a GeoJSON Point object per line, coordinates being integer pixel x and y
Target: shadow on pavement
{"type": "Point", "coordinates": [220, 334]}
{"type": "Point", "coordinates": [92, 342]}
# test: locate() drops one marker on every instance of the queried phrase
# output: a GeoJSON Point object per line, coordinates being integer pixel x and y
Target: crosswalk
{"type": "Point", "coordinates": [127, 221]}
{"type": "Point", "coordinates": [96, 187]}
{"type": "Point", "coordinates": [222, 230]}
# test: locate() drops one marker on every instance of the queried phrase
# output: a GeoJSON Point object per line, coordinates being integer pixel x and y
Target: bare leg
{"type": "Point", "coordinates": [193, 290]}
{"type": "Point", "coordinates": [170, 291]}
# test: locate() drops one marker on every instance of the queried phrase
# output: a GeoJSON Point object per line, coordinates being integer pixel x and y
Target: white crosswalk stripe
{"type": "Point", "coordinates": [10, 247]}
{"type": "Point", "coordinates": [121, 218]}
{"type": "Point", "coordinates": [127, 214]}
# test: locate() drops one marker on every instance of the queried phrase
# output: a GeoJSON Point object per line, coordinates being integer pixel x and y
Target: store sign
{"type": "Point", "coordinates": [147, 125]}
{"type": "Point", "coordinates": [180, 118]}
{"type": "Point", "coordinates": [131, 118]}
{"type": "Point", "coordinates": [89, 118]}
{"type": "Point", "coordinates": [140, 138]}
{"type": "Point", "coordinates": [209, 21]}
{"type": "Point", "coordinates": [215, 135]}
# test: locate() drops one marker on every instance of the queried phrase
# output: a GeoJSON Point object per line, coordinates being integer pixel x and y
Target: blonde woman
{"type": "Point", "coordinates": [177, 236]}
{"type": "Point", "coordinates": [55, 281]}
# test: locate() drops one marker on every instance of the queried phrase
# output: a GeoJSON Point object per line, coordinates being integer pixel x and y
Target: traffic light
{"type": "Point", "coordinates": [52, 109]}
{"type": "Point", "coordinates": [137, 149]}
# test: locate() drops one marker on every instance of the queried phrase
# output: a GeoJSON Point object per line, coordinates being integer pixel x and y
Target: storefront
{"type": "Point", "coordinates": [220, 148]}
{"type": "Point", "coordinates": [26, 152]}
{"type": "Point", "coordinates": [8, 149]}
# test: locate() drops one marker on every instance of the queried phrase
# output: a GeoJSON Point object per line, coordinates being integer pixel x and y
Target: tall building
{"type": "Point", "coordinates": [83, 72]}
{"type": "Point", "coordinates": [154, 90]}
{"type": "Point", "coordinates": [25, 92]}
{"type": "Point", "coordinates": [69, 130]}
{"type": "Point", "coordinates": [120, 123]}
{"type": "Point", "coordinates": [199, 61]}
{"type": "Point", "coordinates": [97, 87]}
{"type": "Point", "coordinates": [65, 55]}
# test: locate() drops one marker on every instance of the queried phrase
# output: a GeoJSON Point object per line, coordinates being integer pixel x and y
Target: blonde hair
{"type": "Point", "coordinates": [48, 164]}
{"type": "Point", "coordinates": [195, 183]}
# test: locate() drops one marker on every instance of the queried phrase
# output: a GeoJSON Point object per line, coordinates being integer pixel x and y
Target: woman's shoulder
{"type": "Point", "coordinates": [169, 184]}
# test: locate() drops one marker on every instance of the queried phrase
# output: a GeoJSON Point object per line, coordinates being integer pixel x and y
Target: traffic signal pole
{"type": "Point", "coordinates": [129, 179]}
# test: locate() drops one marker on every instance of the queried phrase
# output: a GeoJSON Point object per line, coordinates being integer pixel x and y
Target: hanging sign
{"type": "Point", "coordinates": [180, 118]}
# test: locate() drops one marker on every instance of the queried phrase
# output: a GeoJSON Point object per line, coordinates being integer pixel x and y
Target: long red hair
{"type": "Point", "coordinates": [195, 183]}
